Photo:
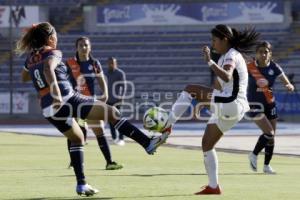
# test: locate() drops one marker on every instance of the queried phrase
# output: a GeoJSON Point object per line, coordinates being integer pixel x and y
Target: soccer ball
{"type": "Point", "coordinates": [155, 119]}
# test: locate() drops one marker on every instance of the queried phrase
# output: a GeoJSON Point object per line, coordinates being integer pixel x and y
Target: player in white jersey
{"type": "Point", "coordinates": [227, 100]}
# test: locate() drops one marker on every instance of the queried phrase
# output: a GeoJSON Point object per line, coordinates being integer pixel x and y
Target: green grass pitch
{"type": "Point", "coordinates": [35, 168]}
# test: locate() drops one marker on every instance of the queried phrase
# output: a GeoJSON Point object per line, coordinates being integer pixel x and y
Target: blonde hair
{"type": "Point", "coordinates": [34, 38]}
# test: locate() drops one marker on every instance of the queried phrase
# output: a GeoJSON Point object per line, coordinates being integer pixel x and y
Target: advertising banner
{"type": "Point", "coordinates": [251, 12]}
{"type": "Point", "coordinates": [288, 103]}
{"type": "Point", "coordinates": [20, 103]}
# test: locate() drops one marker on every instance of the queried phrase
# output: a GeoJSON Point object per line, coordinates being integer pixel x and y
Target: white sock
{"type": "Point", "coordinates": [211, 166]}
{"type": "Point", "coordinates": [179, 107]}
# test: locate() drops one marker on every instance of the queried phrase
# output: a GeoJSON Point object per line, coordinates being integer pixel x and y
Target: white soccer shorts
{"type": "Point", "coordinates": [226, 115]}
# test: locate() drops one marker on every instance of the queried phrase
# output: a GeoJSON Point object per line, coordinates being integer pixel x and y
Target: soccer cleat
{"type": "Point", "coordinates": [207, 190]}
{"type": "Point", "coordinates": [253, 162]}
{"type": "Point", "coordinates": [268, 169]}
{"type": "Point", "coordinates": [155, 142]}
{"type": "Point", "coordinates": [113, 166]}
{"type": "Point", "coordinates": [86, 190]}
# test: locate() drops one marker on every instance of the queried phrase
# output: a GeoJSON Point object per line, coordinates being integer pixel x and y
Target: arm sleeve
{"type": "Point", "coordinates": [278, 70]}
{"type": "Point", "coordinates": [230, 60]}
{"type": "Point", "coordinates": [25, 67]}
{"type": "Point", "coordinates": [55, 54]}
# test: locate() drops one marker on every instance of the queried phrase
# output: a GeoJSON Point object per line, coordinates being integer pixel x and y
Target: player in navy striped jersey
{"type": "Point", "coordinates": [86, 70]}
{"type": "Point", "coordinates": [60, 103]}
{"type": "Point", "coordinates": [263, 72]}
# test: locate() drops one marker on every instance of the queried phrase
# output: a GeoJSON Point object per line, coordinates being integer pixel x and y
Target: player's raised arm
{"type": "Point", "coordinates": [49, 71]}
{"type": "Point", "coordinates": [224, 73]}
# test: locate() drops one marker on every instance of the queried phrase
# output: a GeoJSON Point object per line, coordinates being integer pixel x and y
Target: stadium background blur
{"type": "Point", "coordinates": [155, 41]}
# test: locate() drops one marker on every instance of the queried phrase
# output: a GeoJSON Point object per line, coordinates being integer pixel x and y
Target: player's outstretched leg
{"type": "Point", "coordinates": [102, 111]}
{"type": "Point", "coordinates": [183, 102]}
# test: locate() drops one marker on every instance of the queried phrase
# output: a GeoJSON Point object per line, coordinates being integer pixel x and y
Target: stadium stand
{"type": "Point", "coordinates": [155, 61]}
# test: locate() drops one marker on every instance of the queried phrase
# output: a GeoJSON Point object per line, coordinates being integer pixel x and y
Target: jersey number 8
{"type": "Point", "coordinates": [39, 80]}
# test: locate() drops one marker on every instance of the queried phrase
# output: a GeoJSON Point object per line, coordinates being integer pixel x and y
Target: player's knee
{"type": "Point", "coordinates": [77, 140]}
{"type": "Point", "coordinates": [206, 145]}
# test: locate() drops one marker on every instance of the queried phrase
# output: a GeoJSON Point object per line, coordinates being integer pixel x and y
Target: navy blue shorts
{"type": "Point", "coordinates": [78, 106]}
{"type": "Point", "coordinates": [270, 110]}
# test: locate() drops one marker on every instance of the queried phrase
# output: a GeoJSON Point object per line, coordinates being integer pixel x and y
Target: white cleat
{"type": "Point", "coordinates": [156, 142]}
{"type": "Point", "coordinates": [253, 162]}
{"type": "Point", "coordinates": [268, 170]}
{"type": "Point", "coordinates": [86, 190]}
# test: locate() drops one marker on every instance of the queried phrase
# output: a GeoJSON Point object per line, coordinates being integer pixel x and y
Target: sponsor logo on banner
{"type": "Point", "coordinates": [191, 13]}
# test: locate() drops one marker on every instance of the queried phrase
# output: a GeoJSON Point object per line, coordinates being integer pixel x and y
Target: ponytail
{"type": "Point", "coordinates": [34, 38]}
{"type": "Point", "coordinates": [242, 41]}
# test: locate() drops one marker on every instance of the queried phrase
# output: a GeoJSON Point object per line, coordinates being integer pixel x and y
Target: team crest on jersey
{"type": "Point", "coordinates": [90, 67]}
{"type": "Point", "coordinates": [271, 72]}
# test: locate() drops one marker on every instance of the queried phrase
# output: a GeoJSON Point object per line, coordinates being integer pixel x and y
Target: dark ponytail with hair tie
{"type": "Point", "coordinates": [242, 41]}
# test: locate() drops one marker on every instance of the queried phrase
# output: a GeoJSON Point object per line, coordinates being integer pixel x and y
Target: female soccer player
{"type": "Point", "coordinates": [61, 104]}
{"type": "Point", "coordinates": [86, 70]}
{"type": "Point", "coordinates": [262, 74]}
{"type": "Point", "coordinates": [228, 100]}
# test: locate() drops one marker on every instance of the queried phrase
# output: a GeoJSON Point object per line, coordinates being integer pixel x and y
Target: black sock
{"type": "Point", "coordinates": [269, 149]}
{"type": "Point", "coordinates": [121, 136]}
{"type": "Point", "coordinates": [104, 147]}
{"type": "Point", "coordinates": [76, 153]}
{"type": "Point", "coordinates": [84, 131]}
{"type": "Point", "coordinates": [262, 142]}
{"type": "Point", "coordinates": [126, 128]}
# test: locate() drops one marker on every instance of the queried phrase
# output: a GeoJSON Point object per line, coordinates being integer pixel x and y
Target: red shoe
{"type": "Point", "coordinates": [209, 190]}
{"type": "Point", "coordinates": [167, 130]}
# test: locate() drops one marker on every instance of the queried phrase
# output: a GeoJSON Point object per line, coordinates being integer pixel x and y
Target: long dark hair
{"type": "Point", "coordinates": [35, 37]}
{"type": "Point", "coordinates": [91, 57]}
{"type": "Point", "coordinates": [243, 41]}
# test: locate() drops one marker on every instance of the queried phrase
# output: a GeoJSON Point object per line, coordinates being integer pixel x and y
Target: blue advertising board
{"type": "Point", "coordinates": [288, 103]}
{"type": "Point", "coordinates": [191, 13]}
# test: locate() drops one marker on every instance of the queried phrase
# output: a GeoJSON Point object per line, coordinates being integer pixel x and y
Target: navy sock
{"type": "Point", "coordinates": [121, 136]}
{"type": "Point", "coordinates": [104, 147]}
{"type": "Point", "coordinates": [126, 128]}
{"type": "Point", "coordinates": [76, 153]}
{"type": "Point", "coordinates": [262, 142]}
{"type": "Point", "coordinates": [269, 149]}
{"type": "Point", "coordinates": [84, 131]}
